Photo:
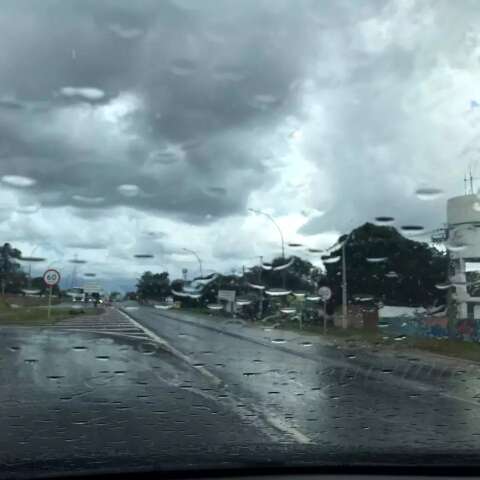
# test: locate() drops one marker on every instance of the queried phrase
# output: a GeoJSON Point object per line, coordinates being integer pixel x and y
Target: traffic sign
{"type": "Point", "coordinates": [325, 293]}
{"type": "Point", "coordinates": [51, 277]}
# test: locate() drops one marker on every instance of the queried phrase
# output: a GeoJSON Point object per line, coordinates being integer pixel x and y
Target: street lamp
{"type": "Point", "coordinates": [265, 214]}
{"type": "Point", "coordinates": [193, 252]}
{"type": "Point", "coordinates": [344, 279]}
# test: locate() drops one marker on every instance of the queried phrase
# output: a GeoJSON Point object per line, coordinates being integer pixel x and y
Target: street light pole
{"type": "Point", "coordinates": [260, 212]}
{"type": "Point", "coordinates": [344, 286]}
{"type": "Point", "coordinates": [193, 252]}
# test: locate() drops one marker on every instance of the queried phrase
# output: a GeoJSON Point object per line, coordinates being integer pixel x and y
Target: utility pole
{"type": "Point", "coordinates": [260, 307]}
{"type": "Point", "coordinates": [344, 286]}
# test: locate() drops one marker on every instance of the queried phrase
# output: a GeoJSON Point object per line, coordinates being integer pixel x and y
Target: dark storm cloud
{"type": "Point", "coordinates": [206, 79]}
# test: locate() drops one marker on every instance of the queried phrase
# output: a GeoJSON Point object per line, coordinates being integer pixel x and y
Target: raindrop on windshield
{"type": "Point", "coordinates": [443, 286]}
{"type": "Point", "coordinates": [18, 181]}
{"type": "Point", "coordinates": [391, 274]}
{"type": "Point", "coordinates": [128, 190]}
{"type": "Point", "coordinates": [376, 259]}
{"type": "Point", "coordinates": [306, 344]}
{"type": "Point", "coordinates": [256, 286]}
{"type": "Point", "coordinates": [182, 67]}
{"type": "Point", "coordinates": [331, 259]}
{"type": "Point", "coordinates": [215, 306]}
{"type": "Point", "coordinates": [278, 340]}
{"type": "Point", "coordinates": [288, 310]}
{"type": "Point", "coordinates": [456, 247]}
{"type": "Point", "coordinates": [277, 292]}
{"type": "Point", "coordinates": [412, 229]}
{"type": "Point", "coordinates": [242, 302]}
{"type": "Point", "coordinates": [163, 306]}
{"type": "Point", "coordinates": [79, 348]}
{"type": "Point", "coordinates": [428, 193]}
{"type": "Point", "coordinates": [384, 220]}
{"type": "Point", "coordinates": [28, 209]}
{"type": "Point", "coordinates": [88, 200]}
{"type": "Point", "coordinates": [144, 255]}
{"type": "Point", "coordinates": [295, 245]}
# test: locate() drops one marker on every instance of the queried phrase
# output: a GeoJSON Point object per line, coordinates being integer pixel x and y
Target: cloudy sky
{"type": "Point", "coordinates": [146, 127]}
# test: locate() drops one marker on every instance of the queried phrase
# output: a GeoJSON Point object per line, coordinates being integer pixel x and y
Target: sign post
{"type": "Point", "coordinates": [51, 278]}
{"type": "Point", "coordinates": [325, 294]}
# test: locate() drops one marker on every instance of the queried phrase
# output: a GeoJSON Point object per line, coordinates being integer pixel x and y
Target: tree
{"type": "Point", "coordinates": [153, 286]}
{"type": "Point", "coordinates": [384, 264]}
{"type": "Point", "coordinates": [11, 276]}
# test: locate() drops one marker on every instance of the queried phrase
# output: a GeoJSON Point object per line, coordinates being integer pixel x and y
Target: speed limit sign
{"type": "Point", "coordinates": [325, 293]}
{"type": "Point", "coordinates": [51, 277]}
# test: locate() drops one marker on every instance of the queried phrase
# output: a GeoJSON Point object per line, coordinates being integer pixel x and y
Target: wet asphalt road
{"type": "Point", "coordinates": [103, 392]}
{"type": "Point", "coordinates": [333, 398]}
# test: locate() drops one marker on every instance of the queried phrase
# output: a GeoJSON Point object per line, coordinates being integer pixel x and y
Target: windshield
{"type": "Point", "coordinates": [238, 233]}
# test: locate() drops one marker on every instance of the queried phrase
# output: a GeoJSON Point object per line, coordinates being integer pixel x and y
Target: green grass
{"type": "Point", "coordinates": [449, 348]}
{"type": "Point", "coordinates": [35, 316]}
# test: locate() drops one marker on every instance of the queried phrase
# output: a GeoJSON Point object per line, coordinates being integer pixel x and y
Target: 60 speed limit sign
{"type": "Point", "coordinates": [51, 277]}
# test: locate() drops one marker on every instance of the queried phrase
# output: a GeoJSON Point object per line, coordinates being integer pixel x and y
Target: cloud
{"type": "Point", "coordinates": [184, 114]}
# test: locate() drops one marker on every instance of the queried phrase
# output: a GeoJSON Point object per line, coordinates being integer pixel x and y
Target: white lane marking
{"type": "Point", "coordinates": [283, 427]}
{"type": "Point", "coordinates": [172, 349]}
{"type": "Point", "coordinates": [275, 422]}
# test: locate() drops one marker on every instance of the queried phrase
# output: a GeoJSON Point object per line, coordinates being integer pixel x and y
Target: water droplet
{"type": "Point", "coordinates": [128, 190]}
{"type": "Point", "coordinates": [443, 286]}
{"type": "Point", "coordinates": [331, 259]}
{"type": "Point", "coordinates": [182, 67]}
{"type": "Point", "coordinates": [163, 306]}
{"type": "Point", "coordinates": [55, 377]}
{"type": "Point", "coordinates": [412, 229]}
{"type": "Point", "coordinates": [285, 265]}
{"type": "Point", "coordinates": [391, 274]}
{"type": "Point", "coordinates": [384, 220]}
{"type": "Point", "coordinates": [278, 340]}
{"type": "Point", "coordinates": [215, 306]}
{"type": "Point", "coordinates": [399, 338]}
{"type": "Point", "coordinates": [88, 200]}
{"type": "Point", "coordinates": [266, 99]}
{"type": "Point", "coordinates": [31, 360]}
{"type": "Point", "coordinates": [313, 298]}
{"type": "Point", "coordinates": [376, 259]}
{"type": "Point", "coordinates": [428, 193]}
{"type": "Point", "coordinates": [296, 135]}
{"type": "Point", "coordinates": [144, 255]}
{"type": "Point", "coordinates": [18, 181]}
{"type": "Point", "coordinates": [127, 33]}
{"type": "Point", "coordinates": [120, 372]}
{"type": "Point", "coordinates": [351, 356]}
{"type": "Point", "coordinates": [87, 93]}
{"type": "Point", "coordinates": [456, 247]}
{"type": "Point", "coordinates": [14, 348]}
{"type": "Point", "coordinates": [277, 292]}
{"type": "Point", "coordinates": [306, 344]}
{"type": "Point", "coordinates": [79, 348]}
{"type": "Point", "coordinates": [288, 310]}
{"type": "Point", "coordinates": [102, 357]}
{"type": "Point", "coordinates": [241, 302]}
{"type": "Point", "coordinates": [256, 286]}
{"type": "Point", "coordinates": [295, 245]}
{"type": "Point", "coordinates": [28, 209]}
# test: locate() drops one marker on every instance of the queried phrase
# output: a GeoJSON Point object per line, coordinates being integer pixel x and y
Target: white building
{"type": "Point", "coordinates": [463, 243]}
